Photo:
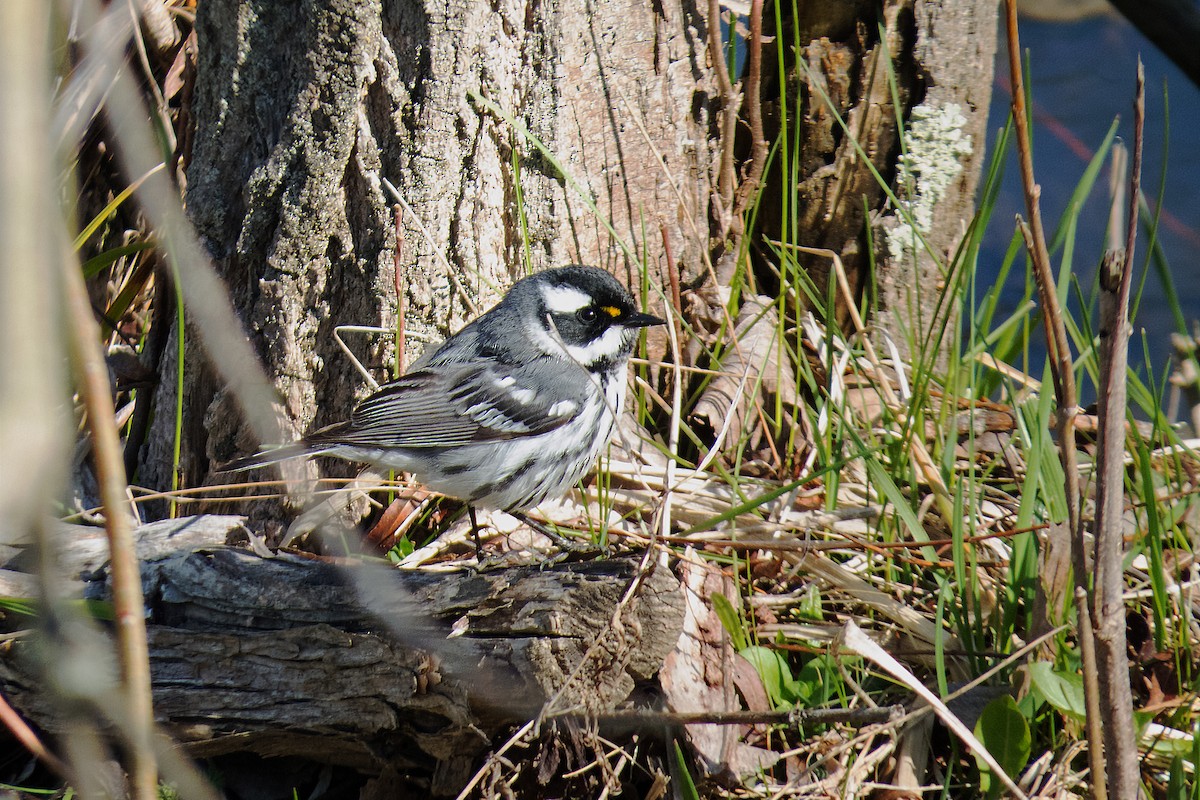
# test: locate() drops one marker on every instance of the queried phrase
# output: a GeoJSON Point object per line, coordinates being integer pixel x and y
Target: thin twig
{"type": "Point", "coordinates": [730, 103]}
{"type": "Point", "coordinates": [855, 717]}
{"type": "Point", "coordinates": [451, 272]}
{"type": "Point", "coordinates": [759, 148]}
{"type": "Point", "coordinates": [10, 719]}
{"type": "Point", "coordinates": [1095, 723]}
{"type": "Point", "coordinates": [1062, 368]}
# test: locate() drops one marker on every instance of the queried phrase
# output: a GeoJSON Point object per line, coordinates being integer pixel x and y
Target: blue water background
{"type": "Point", "coordinates": [1082, 77]}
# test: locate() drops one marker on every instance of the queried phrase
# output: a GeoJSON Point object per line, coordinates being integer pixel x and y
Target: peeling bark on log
{"type": "Point", "coordinates": [354, 664]}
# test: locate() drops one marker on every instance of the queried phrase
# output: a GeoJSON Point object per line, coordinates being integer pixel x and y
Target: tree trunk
{"type": "Point", "coordinates": [302, 110]}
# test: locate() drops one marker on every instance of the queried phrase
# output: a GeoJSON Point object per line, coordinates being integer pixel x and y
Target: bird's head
{"type": "Point", "coordinates": [583, 311]}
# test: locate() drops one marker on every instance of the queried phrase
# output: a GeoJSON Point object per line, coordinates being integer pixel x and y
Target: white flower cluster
{"type": "Point", "coordinates": [936, 146]}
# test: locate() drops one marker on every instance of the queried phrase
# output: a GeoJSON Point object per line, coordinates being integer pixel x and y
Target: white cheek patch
{"type": "Point", "coordinates": [543, 341]}
{"type": "Point", "coordinates": [564, 299]}
{"type": "Point", "coordinates": [607, 345]}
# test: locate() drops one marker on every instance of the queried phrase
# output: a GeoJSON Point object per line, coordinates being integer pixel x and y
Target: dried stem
{"type": "Point", "coordinates": [10, 719]}
{"type": "Point", "coordinates": [1095, 723]}
{"type": "Point", "coordinates": [794, 717]}
{"type": "Point", "coordinates": [672, 276]}
{"type": "Point", "coordinates": [91, 376]}
{"type": "Point", "coordinates": [1061, 366]}
{"type": "Point", "coordinates": [1108, 606]}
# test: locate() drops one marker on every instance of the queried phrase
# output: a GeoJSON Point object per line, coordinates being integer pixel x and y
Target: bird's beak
{"type": "Point", "coordinates": [640, 320]}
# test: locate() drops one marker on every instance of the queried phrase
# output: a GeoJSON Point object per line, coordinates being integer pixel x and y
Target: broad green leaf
{"type": "Point", "coordinates": [1062, 690]}
{"type": "Point", "coordinates": [776, 675]}
{"type": "Point", "coordinates": [1005, 733]}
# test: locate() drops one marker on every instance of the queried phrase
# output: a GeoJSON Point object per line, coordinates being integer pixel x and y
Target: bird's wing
{"type": "Point", "coordinates": [460, 404]}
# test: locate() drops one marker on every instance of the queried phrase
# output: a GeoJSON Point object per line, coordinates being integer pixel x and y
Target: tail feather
{"type": "Point", "coordinates": [273, 455]}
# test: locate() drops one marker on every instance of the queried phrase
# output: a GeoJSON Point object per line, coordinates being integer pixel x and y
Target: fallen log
{"type": "Point", "coordinates": [361, 664]}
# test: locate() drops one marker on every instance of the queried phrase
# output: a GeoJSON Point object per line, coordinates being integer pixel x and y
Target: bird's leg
{"type": "Point", "coordinates": [475, 534]}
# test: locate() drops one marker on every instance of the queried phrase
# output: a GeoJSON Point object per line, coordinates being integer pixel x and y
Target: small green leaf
{"type": "Point", "coordinates": [687, 787]}
{"type": "Point", "coordinates": [776, 675]}
{"type": "Point", "coordinates": [1176, 780]}
{"type": "Point", "coordinates": [1004, 731]}
{"type": "Point", "coordinates": [110, 209]}
{"type": "Point", "coordinates": [94, 265]}
{"type": "Point", "coordinates": [1063, 690]}
{"type": "Point", "coordinates": [28, 607]}
{"type": "Point", "coordinates": [730, 620]}
{"type": "Point", "coordinates": [810, 604]}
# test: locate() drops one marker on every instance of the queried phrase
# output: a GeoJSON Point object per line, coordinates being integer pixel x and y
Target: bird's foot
{"type": "Point", "coordinates": [569, 549]}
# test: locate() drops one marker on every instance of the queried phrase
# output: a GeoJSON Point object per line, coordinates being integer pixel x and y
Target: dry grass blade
{"type": "Point", "coordinates": [920, 454]}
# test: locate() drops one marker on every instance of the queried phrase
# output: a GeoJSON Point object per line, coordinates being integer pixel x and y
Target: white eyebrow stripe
{"type": "Point", "coordinates": [564, 299]}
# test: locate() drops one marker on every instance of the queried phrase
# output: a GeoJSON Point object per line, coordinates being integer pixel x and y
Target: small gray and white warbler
{"type": "Point", "coordinates": [510, 411]}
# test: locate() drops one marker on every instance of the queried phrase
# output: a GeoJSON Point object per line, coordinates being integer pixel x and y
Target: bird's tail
{"type": "Point", "coordinates": [273, 455]}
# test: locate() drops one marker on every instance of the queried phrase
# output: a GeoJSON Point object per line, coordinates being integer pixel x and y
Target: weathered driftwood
{"type": "Point", "coordinates": [362, 664]}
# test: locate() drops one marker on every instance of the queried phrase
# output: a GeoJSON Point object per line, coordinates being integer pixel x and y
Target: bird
{"type": "Point", "coordinates": [509, 412]}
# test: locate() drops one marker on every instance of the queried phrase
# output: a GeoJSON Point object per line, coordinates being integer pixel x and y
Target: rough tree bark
{"type": "Point", "coordinates": [301, 112]}
{"type": "Point", "coordinates": [303, 109]}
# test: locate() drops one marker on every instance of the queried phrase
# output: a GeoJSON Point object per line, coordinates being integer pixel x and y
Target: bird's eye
{"type": "Point", "coordinates": [586, 315]}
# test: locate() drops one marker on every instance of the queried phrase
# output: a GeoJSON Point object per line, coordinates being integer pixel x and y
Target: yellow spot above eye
{"type": "Point", "coordinates": [612, 311]}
